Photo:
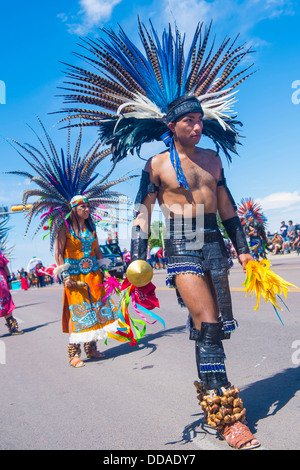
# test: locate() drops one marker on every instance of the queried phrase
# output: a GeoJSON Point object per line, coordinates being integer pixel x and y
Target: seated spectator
{"type": "Point", "coordinates": [296, 242]}
{"type": "Point", "coordinates": [269, 237]}
{"type": "Point", "coordinates": [290, 236]}
{"type": "Point", "coordinates": [277, 242]}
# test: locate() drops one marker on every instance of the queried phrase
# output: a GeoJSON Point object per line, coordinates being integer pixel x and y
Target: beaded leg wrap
{"type": "Point", "coordinates": [74, 350]}
{"type": "Point", "coordinates": [13, 326]}
{"type": "Point", "coordinates": [220, 402]}
{"type": "Point", "coordinates": [89, 348]}
{"type": "Point", "coordinates": [210, 355]}
{"type": "Point", "coordinates": [220, 410]}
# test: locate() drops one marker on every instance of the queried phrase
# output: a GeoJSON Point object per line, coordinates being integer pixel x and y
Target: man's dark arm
{"type": "Point", "coordinates": [144, 203]}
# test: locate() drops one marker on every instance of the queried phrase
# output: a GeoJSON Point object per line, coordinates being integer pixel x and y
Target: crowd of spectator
{"type": "Point", "coordinates": [35, 278]}
{"type": "Point", "coordinates": [283, 241]}
{"type": "Point", "coordinates": [286, 240]}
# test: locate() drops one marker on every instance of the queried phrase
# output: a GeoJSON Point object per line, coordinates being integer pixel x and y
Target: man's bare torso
{"type": "Point", "coordinates": [202, 171]}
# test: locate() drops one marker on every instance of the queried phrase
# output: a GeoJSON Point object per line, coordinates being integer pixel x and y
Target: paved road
{"type": "Point", "coordinates": [143, 398]}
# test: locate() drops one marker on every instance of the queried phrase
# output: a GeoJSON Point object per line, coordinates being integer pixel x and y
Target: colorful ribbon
{"type": "Point", "coordinates": [131, 329]}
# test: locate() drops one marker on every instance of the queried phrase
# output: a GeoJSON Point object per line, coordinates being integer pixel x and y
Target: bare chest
{"type": "Point", "coordinates": [200, 174]}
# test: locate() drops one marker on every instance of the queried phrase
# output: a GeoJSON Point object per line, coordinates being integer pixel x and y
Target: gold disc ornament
{"type": "Point", "coordinates": [139, 273]}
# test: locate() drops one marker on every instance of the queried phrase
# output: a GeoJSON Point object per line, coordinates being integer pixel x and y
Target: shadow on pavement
{"type": "Point", "coordinates": [144, 343]}
{"type": "Point", "coordinates": [262, 399]}
{"type": "Point", "coordinates": [266, 397]}
{"type": "Point", "coordinates": [28, 330]}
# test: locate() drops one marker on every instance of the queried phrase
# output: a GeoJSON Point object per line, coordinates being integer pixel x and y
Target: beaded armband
{"type": "Point", "coordinates": [139, 243]}
{"type": "Point", "coordinates": [236, 234]}
{"type": "Point", "coordinates": [65, 275]}
{"type": "Point", "coordinates": [146, 187]}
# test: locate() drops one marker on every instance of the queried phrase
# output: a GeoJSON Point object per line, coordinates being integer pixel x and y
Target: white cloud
{"type": "Point", "coordinates": [91, 14]}
{"type": "Point", "coordinates": [232, 14]}
{"type": "Point", "coordinates": [279, 200]}
{"type": "Point", "coordinates": [95, 11]}
{"type": "Point", "coordinates": [63, 17]}
{"type": "Point", "coordinates": [277, 8]}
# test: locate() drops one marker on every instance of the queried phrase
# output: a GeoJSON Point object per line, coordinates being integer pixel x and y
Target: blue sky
{"type": "Point", "coordinates": [36, 36]}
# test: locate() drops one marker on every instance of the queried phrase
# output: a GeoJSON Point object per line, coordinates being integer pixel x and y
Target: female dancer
{"type": "Point", "coordinates": [6, 302]}
{"type": "Point", "coordinates": [86, 318]}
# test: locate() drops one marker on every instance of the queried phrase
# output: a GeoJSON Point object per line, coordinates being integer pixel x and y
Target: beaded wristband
{"type": "Point", "coordinates": [65, 275]}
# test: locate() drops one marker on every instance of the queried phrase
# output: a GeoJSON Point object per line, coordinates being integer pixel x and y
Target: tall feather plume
{"type": "Point", "coordinates": [59, 179]}
{"type": "Point", "coordinates": [130, 88]}
{"type": "Point", "coordinates": [249, 206]}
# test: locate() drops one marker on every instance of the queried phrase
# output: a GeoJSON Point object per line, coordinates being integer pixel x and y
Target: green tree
{"type": "Point", "coordinates": [221, 227]}
{"type": "Point", "coordinates": [158, 234]}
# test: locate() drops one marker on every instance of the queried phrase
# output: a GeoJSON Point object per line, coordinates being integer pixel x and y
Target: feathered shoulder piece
{"type": "Point", "coordinates": [248, 208]}
{"type": "Point", "coordinates": [65, 180]}
{"type": "Point", "coordinates": [128, 89]}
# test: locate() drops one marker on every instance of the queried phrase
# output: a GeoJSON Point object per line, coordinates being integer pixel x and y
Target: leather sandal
{"type": "Point", "coordinates": [238, 435]}
{"type": "Point", "coordinates": [76, 362]}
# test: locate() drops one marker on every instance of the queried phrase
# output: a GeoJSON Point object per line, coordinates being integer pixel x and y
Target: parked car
{"type": "Point", "coordinates": [117, 267]}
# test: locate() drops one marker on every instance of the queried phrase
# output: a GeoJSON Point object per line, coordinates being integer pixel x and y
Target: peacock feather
{"type": "Point", "coordinates": [58, 177]}
{"type": "Point", "coordinates": [5, 249]}
{"type": "Point", "coordinates": [248, 207]}
{"type": "Point", "coordinates": [128, 89]}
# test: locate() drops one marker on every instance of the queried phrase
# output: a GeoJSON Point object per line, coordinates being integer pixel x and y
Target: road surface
{"type": "Point", "coordinates": [143, 398]}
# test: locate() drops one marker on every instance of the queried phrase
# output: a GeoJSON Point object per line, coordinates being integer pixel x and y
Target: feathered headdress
{"type": "Point", "coordinates": [248, 208]}
{"type": "Point", "coordinates": [66, 181]}
{"type": "Point", "coordinates": [128, 90]}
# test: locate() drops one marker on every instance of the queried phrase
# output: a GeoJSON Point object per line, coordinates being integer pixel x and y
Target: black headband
{"type": "Point", "coordinates": [181, 106]}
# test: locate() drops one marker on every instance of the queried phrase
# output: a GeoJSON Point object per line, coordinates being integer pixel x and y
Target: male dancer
{"type": "Point", "coordinates": [199, 275]}
{"type": "Point", "coordinates": [257, 236]}
{"type": "Point", "coordinates": [133, 94]}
